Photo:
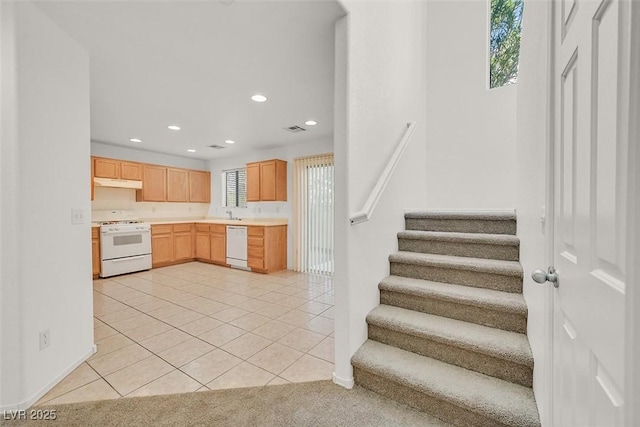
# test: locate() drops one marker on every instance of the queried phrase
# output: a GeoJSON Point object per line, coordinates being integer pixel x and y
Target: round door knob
{"type": "Point", "coordinates": [539, 276]}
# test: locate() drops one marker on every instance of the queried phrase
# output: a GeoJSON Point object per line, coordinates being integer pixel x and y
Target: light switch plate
{"type": "Point", "coordinates": [77, 216]}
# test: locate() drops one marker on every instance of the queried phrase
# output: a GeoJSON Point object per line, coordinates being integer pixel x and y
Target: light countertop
{"type": "Point", "coordinates": [262, 222]}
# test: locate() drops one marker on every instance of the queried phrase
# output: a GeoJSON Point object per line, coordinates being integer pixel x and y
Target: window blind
{"type": "Point", "coordinates": [235, 188]}
{"type": "Point", "coordinates": [313, 214]}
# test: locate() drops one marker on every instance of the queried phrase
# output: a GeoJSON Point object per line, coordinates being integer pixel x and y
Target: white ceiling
{"type": "Point", "coordinates": [196, 65]}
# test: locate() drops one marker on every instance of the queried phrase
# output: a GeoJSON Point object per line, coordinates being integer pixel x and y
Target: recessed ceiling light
{"type": "Point", "coordinates": [191, 150]}
{"type": "Point", "coordinates": [135, 140]}
{"type": "Point", "coordinates": [229, 141]}
{"type": "Point", "coordinates": [310, 123]}
{"type": "Point", "coordinates": [174, 127]}
{"type": "Point", "coordinates": [259, 98]}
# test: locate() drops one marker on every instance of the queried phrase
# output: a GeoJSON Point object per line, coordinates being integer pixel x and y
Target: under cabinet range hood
{"type": "Point", "coordinates": [117, 183]}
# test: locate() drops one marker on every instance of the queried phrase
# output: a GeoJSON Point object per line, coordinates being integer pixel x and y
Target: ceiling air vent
{"type": "Point", "coordinates": [216, 147]}
{"type": "Point", "coordinates": [295, 129]}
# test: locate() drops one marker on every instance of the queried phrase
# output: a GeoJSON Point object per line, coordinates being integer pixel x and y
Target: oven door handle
{"type": "Point", "coordinates": [116, 233]}
{"type": "Point", "coordinates": [129, 258]}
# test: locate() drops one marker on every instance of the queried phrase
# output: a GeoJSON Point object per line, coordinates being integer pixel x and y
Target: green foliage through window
{"type": "Point", "coordinates": [506, 26]}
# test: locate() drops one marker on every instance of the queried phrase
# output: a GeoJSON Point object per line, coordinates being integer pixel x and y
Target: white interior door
{"type": "Point", "coordinates": [591, 64]}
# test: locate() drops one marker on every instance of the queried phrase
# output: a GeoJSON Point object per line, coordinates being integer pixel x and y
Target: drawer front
{"type": "Point", "coordinates": [202, 227]}
{"type": "Point", "coordinates": [256, 263]}
{"type": "Point", "coordinates": [218, 228]}
{"type": "Point", "coordinates": [178, 228]}
{"type": "Point", "coordinates": [255, 252]}
{"type": "Point", "coordinates": [95, 232]}
{"type": "Point", "coordinates": [255, 241]}
{"type": "Point", "coordinates": [255, 231]}
{"type": "Point", "coordinates": [161, 229]}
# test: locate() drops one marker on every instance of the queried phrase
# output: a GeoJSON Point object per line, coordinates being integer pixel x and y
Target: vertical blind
{"type": "Point", "coordinates": [235, 187]}
{"type": "Point", "coordinates": [313, 214]}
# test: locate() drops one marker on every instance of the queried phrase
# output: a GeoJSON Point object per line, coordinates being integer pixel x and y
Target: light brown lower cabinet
{"type": "Point", "coordinates": [218, 243]}
{"type": "Point", "coordinates": [267, 248]}
{"type": "Point", "coordinates": [203, 242]}
{"type": "Point", "coordinates": [173, 244]}
{"type": "Point", "coordinates": [211, 243]}
{"type": "Point", "coordinates": [161, 245]}
{"type": "Point", "coordinates": [95, 251]}
{"type": "Point", "coordinates": [182, 242]}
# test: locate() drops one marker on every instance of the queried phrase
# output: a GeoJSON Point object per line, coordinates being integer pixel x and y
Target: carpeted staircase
{"type": "Point", "coordinates": [448, 336]}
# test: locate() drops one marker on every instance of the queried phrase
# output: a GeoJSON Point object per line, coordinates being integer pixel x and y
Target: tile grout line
{"type": "Point", "coordinates": [115, 299]}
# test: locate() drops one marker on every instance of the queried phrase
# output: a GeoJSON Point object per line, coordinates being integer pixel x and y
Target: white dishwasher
{"type": "Point", "coordinates": [237, 246]}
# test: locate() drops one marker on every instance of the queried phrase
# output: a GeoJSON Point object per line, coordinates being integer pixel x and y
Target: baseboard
{"type": "Point", "coordinates": [26, 404]}
{"type": "Point", "coordinates": [343, 382]}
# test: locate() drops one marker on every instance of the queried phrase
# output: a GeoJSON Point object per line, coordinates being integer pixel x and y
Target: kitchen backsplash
{"type": "Point", "coordinates": [254, 210]}
{"type": "Point", "coordinates": [123, 199]}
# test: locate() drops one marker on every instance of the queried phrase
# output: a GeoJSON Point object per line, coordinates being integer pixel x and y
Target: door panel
{"type": "Point", "coordinates": [203, 246]}
{"type": "Point", "coordinates": [253, 182]}
{"type": "Point", "coordinates": [267, 181]}
{"type": "Point", "coordinates": [589, 214]}
{"type": "Point", "coordinates": [177, 185]}
{"type": "Point", "coordinates": [182, 246]}
{"type": "Point", "coordinates": [131, 171]}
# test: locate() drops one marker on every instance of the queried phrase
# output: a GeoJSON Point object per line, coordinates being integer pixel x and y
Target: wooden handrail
{"type": "Point", "coordinates": [376, 193]}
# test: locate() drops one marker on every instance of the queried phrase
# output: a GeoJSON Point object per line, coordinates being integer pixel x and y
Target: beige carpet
{"type": "Point", "coordinates": [319, 403]}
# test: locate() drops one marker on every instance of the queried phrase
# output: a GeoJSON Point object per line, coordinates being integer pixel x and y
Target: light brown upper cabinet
{"type": "Point", "coordinates": [177, 185]}
{"type": "Point", "coordinates": [159, 183]}
{"type": "Point", "coordinates": [116, 169]}
{"type": "Point", "coordinates": [199, 187]}
{"type": "Point", "coordinates": [131, 171]}
{"type": "Point", "coordinates": [106, 168]}
{"type": "Point", "coordinates": [253, 182]}
{"type": "Point", "coordinates": [267, 181]}
{"type": "Point", "coordinates": [154, 184]}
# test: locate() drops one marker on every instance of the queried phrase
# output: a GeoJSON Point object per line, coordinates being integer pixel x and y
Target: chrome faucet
{"type": "Point", "coordinates": [230, 214]}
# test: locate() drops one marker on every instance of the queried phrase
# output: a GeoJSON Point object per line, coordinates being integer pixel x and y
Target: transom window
{"type": "Point", "coordinates": [504, 46]}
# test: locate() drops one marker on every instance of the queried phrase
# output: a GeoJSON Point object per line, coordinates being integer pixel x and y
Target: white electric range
{"type": "Point", "coordinates": [125, 247]}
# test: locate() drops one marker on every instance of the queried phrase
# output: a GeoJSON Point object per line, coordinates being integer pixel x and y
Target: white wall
{"type": "Point", "coordinates": [107, 200]}
{"type": "Point", "coordinates": [471, 130]}
{"type": "Point", "coordinates": [11, 365]}
{"type": "Point", "coordinates": [532, 128]}
{"type": "Point", "coordinates": [50, 285]}
{"type": "Point", "coordinates": [264, 209]}
{"type": "Point", "coordinates": [100, 149]}
{"type": "Point", "coordinates": [380, 86]}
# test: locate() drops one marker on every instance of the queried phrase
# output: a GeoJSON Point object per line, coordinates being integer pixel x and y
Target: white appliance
{"type": "Point", "coordinates": [237, 246]}
{"type": "Point", "coordinates": [117, 183]}
{"type": "Point", "coordinates": [125, 247]}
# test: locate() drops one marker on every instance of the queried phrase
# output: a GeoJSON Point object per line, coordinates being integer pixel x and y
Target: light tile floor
{"type": "Point", "coordinates": [197, 326]}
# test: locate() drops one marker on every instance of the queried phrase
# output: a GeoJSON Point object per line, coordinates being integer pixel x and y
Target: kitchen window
{"type": "Point", "coordinates": [234, 188]}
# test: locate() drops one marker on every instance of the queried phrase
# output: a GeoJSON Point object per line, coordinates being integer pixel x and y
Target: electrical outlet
{"type": "Point", "coordinates": [45, 339]}
{"type": "Point", "coordinates": [77, 216]}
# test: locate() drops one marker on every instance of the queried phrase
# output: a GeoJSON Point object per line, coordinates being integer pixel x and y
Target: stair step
{"type": "Point", "coordinates": [453, 394]}
{"type": "Point", "coordinates": [477, 272]}
{"type": "Point", "coordinates": [487, 307]}
{"type": "Point", "coordinates": [475, 245]}
{"type": "Point", "coordinates": [492, 222]}
{"type": "Point", "coordinates": [494, 352]}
